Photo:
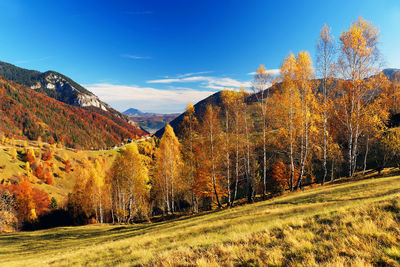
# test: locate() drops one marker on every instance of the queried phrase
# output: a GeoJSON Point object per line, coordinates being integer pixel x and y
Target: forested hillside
{"type": "Point", "coordinates": [26, 113]}
{"type": "Point", "coordinates": [62, 88]}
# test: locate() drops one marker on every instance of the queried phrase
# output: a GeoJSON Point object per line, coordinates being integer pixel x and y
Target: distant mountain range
{"type": "Point", "coordinates": [150, 121]}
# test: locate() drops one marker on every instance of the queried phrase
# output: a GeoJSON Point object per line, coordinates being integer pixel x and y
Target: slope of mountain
{"type": "Point", "coordinates": [62, 88]}
{"type": "Point", "coordinates": [391, 73]}
{"type": "Point", "coordinates": [151, 122]}
{"type": "Point", "coordinates": [200, 107]}
{"type": "Point", "coordinates": [215, 100]}
{"type": "Point", "coordinates": [27, 113]}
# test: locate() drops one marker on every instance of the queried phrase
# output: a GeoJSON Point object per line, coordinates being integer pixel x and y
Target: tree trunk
{"type": "Point", "coordinates": [213, 174]}
{"type": "Point", "coordinates": [248, 172]}
{"type": "Point", "coordinates": [366, 155]}
{"type": "Point", "coordinates": [227, 158]}
{"type": "Point", "coordinates": [325, 141]}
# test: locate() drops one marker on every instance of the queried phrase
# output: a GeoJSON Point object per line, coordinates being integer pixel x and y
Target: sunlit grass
{"type": "Point", "coordinates": [63, 182]}
{"type": "Point", "coordinates": [336, 224]}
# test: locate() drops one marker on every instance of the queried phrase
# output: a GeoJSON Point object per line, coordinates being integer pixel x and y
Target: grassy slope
{"type": "Point", "coordinates": [64, 182]}
{"type": "Point", "coordinates": [279, 231]}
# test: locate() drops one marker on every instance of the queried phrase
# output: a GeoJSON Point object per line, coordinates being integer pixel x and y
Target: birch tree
{"type": "Point", "coordinates": [261, 86]}
{"type": "Point", "coordinates": [190, 126]}
{"type": "Point", "coordinates": [325, 68]}
{"type": "Point", "coordinates": [304, 75]}
{"type": "Point", "coordinates": [168, 168]}
{"type": "Point", "coordinates": [359, 59]}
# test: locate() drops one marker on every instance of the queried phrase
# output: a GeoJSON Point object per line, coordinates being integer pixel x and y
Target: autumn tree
{"type": "Point", "coordinates": [261, 85]}
{"type": "Point", "coordinates": [88, 196]}
{"type": "Point", "coordinates": [358, 61]}
{"type": "Point", "coordinates": [228, 102]}
{"type": "Point", "coordinates": [304, 75]}
{"type": "Point", "coordinates": [279, 178]}
{"type": "Point", "coordinates": [211, 137]}
{"type": "Point", "coordinates": [189, 132]}
{"type": "Point", "coordinates": [129, 184]}
{"type": "Point", "coordinates": [238, 106]}
{"type": "Point", "coordinates": [167, 177]}
{"type": "Point", "coordinates": [287, 110]}
{"type": "Point", "coordinates": [325, 63]}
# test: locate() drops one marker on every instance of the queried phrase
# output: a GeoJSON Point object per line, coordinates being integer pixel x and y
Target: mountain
{"type": "Point", "coordinates": [133, 112]}
{"type": "Point", "coordinates": [391, 73]}
{"type": "Point", "coordinates": [200, 107]}
{"type": "Point", "coordinates": [27, 113]}
{"type": "Point", "coordinates": [62, 88]}
{"type": "Point", "coordinates": [215, 100]}
{"type": "Point", "coordinates": [150, 121]}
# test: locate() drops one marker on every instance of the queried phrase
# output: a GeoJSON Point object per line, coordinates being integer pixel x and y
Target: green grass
{"type": "Point", "coordinates": [288, 230]}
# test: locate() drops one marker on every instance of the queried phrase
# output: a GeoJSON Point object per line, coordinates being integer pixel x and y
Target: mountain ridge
{"type": "Point", "coordinates": [61, 88]}
{"type": "Point", "coordinates": [30, 114]}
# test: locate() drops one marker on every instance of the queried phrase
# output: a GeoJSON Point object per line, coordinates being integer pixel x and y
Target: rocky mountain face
{"type": "Point", "coordinates": [62, 88]}
{"type": "Point", "coordinates": [26, 113]}
{"type": "Point", "coordinates": [54, 84]}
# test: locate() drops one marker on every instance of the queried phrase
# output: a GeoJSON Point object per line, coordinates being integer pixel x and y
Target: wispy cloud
{"type": "Point", "coordinates": [192, 74]}
{"type": "Point", "coordinates": [272, 71]}
{"type": "Point", "coordinates": [135, 56]}
{"type": "Point", "coordinates": [210, 82]}
{"type": "Point", "coordinates": [147, 98]}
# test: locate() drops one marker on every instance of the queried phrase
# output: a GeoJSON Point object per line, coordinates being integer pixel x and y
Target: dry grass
{"type": "Point", "coordinates": [354, 223]}
{"type": "Point", "coordinates": [364, 236]}
{"type": "Point", "coordinates": [62, 182]}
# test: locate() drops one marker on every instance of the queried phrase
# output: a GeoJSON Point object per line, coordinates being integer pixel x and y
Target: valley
{"type": "Point", "coordinates": [254, 134]}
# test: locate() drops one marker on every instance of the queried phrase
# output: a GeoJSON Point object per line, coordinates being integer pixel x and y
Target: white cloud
{"type": "Point", "coordinates": [207, 82]}
{"type": "Point", "coordinates": [135, 56]}
{"type": "Point", "coordinates": [147, 99]}
{"type": "Point", "coordinates": [272, 71]}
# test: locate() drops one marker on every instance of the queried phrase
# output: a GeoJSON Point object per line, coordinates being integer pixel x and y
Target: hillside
{"type": "Point", "coordinates": [62, 88]}
{"type": "Point", "coordinates": [62, 181]}
{"type": "Point", "coordinates": [151, 122]}
{"type": "Point", "coordinates": [27, 113]}
{"type": "Point", "coordinates": [353, 223]}
{"type": "Point", "coordinates": [215, 100]}
{"type": "Point", "coordinates": [200, 108]}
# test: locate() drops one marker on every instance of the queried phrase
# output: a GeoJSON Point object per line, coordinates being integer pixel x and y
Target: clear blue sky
{"type": "Point", "coordinates": [158, 55]}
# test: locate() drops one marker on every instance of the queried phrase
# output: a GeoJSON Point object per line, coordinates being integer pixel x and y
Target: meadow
{"type": "Point", "coordinates": [62, 182]}
{"type": "Point", "coordinates": [352, 223]}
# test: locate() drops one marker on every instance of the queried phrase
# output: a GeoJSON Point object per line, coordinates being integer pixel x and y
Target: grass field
{"type": "Point", "coordinates": [355, 223]}
{"type": "Point", "coordinates": [63, 182]}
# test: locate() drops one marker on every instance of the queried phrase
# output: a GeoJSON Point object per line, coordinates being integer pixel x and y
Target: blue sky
{"type": "Point", "coordinates": [159, 55]}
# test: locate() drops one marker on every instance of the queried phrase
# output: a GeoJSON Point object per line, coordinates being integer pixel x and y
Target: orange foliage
{"type": "Point", "coordinates": [31, 202]}
{"type": "Point", "coordinates": [30, 156]}
{"type": "Point", "coordinates": [47, 155]}
{"type": "Point", "coordinates": [67, 166]}
{"type": "Point", "coordinates": [279, 178]}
